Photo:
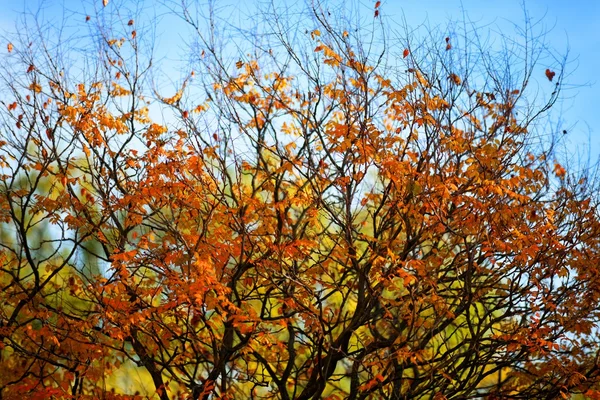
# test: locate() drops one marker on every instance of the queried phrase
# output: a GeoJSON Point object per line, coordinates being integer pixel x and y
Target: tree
{"type": "Point", "coordinates": [328, 215]}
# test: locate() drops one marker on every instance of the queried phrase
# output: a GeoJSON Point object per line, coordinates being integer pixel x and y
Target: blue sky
{"type": "Point", "coordinates": [573, 25]}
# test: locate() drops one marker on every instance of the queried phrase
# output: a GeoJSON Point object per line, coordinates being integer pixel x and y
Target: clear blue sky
{"type": "Point", "coordinates": [573, 25]}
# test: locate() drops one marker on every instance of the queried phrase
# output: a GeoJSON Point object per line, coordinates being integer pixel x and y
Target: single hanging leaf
{"type": "Point", "coordinates": [455, 79]}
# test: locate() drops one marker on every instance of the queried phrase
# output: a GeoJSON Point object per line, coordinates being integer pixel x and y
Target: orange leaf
{"type": "Point", "coordinates": [377, 4]}
{"type": "Point", "coordinates": [559, 170]}
{"type": "Point", "coordinates": [455, 79]}
{"type": "Point", "coordinates": [35, 87]}
{"type": "Point", "coordinates": [9, 47]}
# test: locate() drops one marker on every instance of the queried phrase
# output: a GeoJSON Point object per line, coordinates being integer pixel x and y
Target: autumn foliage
{"type": "Point", "coordinates": [323, 217]}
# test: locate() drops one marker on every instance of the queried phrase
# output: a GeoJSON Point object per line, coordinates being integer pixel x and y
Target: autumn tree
{"type": "Point", "coordinates": [323, 207]}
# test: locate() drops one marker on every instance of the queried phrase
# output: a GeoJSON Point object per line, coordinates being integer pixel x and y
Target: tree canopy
{"type": "Point", "coordinates": [325, 206]}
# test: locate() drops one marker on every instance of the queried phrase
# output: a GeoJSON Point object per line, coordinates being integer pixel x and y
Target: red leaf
{"type": "Point", "coordinates": [405, 53]}
{"type": "Point", "coordinates": [550, 74]}
{"type": "Point", "coordinates": [377, 4]}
